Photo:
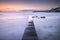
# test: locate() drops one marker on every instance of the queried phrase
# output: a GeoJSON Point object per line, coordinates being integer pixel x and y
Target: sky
{"type": "Point", "coordinates": [10, 5]}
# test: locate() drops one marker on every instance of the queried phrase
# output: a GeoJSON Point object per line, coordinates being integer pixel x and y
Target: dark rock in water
{"type": "Point", "coordinates": [34, 16]}
{"type": "Point", "coordinates": [43, 17]}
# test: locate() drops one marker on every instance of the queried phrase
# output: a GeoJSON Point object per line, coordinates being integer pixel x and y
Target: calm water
{"type": "Point", "coordinates": [48, 28]}
{"type": "Point", "coordinates": [12, 25]}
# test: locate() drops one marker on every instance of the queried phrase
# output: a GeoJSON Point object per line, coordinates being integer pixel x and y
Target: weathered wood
{"type": "Point", "coordinates": [30, 32]}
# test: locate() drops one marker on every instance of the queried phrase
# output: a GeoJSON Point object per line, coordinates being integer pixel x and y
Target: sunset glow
{"type": "Point", "coordinates": [15, 7]}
